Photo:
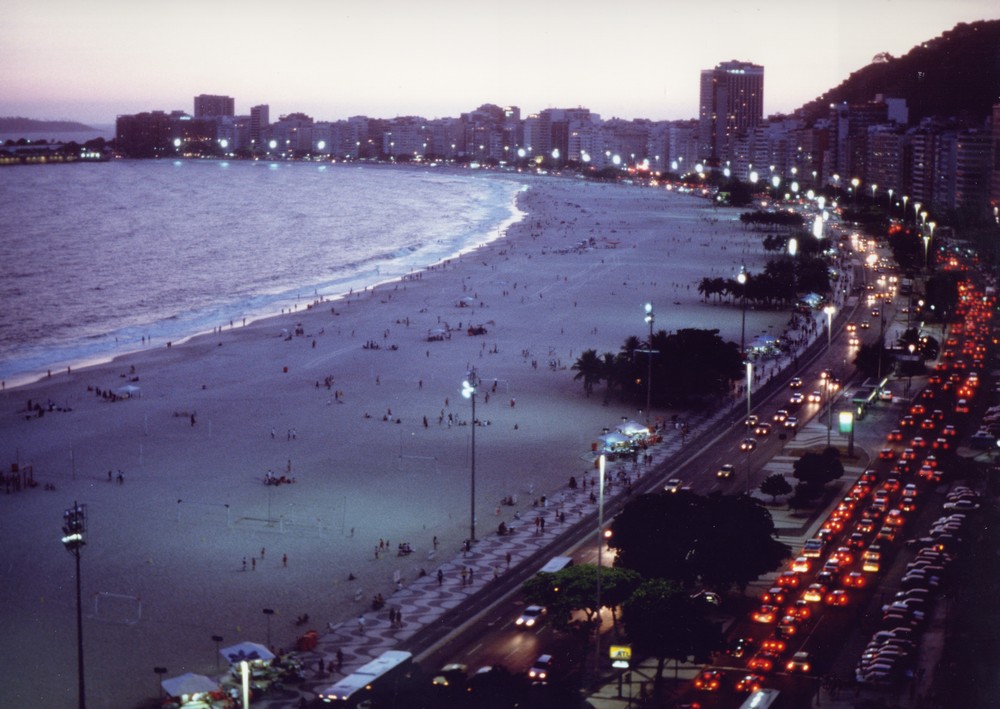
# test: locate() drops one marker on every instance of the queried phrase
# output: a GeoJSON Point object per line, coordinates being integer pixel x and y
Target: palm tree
{"type": "Point", "coordinates": [590, 369]}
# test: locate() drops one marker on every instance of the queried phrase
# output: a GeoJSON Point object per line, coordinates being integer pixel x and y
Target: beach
{"type": "Point", "coordinates": [356, 402]}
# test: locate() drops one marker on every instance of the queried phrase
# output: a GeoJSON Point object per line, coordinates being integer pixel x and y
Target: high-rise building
{"type": "Point", "coordinates": [260, 119]}
{"type": "Point", "coordinates": [732, 102]}
{"type": "Point", "coordinates": [208, 106]}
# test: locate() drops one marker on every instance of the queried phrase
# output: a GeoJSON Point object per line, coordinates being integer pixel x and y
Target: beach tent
{"type": "Point", "coordinates": [613, 441]}
{"type": "Point", "coordinates": [436, 334]}
{"type": "Point", "coordinates": [466, 302]}
{"type": "Point", "coordinates": [189, 683]}
{"type": "Point", "coordinates": [251, 652]}
{"type": "Point", "coordinates": [128, 391]}
{"type": "Point", "coordinates": [632, 429]}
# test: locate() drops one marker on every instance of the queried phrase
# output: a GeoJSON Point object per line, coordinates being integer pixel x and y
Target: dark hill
{"type": "Point", "coordinates": [956, 74]}
{"type": "Point", "coordinates": [17, 124]}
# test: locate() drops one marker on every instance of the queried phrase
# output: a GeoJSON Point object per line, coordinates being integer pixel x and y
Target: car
{"type": "Point", "coordinates": [964, 504]}
{"type": "Point", "coordinates": [762, 429]}
{"type": "Point", "coordinates": [740, 647]}
{"type": "Point", "coordinates": [748, 444]}
{"type": "Point", "coordinates": [530, 616]}
{"type": "Point", "coordinates": [837, 598]}
{"type": "Point", "coordinates": [853, 579]}
{"type": "Point", "coordinates": [450, 674]}
{"type": "Point", "coordinates": [775, 595]}
{"type": "Point", "coordinates": [708, 680]}
{"type": "Point", "coordinates": [765, 614]}
{"type": "Point", "coordinates": [801, 565]}
{"type": "Point", "coordinates": [796, 398]}
{"type": "Point", "coordinates": [894, 436]}
{"type": "Point", "coordinates": [795, 383]}
{"type": "Point", "coordinates": [751, 420]}
{"type": "Point", "coordinates": [763, 661]}
{"type": "Point", "coordinates": [799, 663]}
{"type": "Point", "coordinates": [815, 593]}
{"type": "Point", "coordinates": [791, 422]}
{"type": "Point", "coordinates": [725, 471]}
{"type": "Point", "coordinates": [779, 416]}
{"type": "Point", "coordinates": [865, 324]}
{"type": "Point", "coordinates": [815, 397]}
{"type": "Point", "coordinates": [750, 683]}
{"type": "Point", "coordinates": [787, 626]}
{"type": "Point", "coordinates": [775, 645]}
{"type": "Point", "coordinates": [800, 609]}
{"type": "Point", "coordinates": [541, 669]}
{"type": "Point", "coordinates": [886, 454]}
{"type": "Point", "coordinates": [673, 485]}
{"type": "Point", "coordinates": [788, 579]}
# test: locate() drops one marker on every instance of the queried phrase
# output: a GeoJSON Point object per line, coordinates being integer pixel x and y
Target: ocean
{"type": "Point", "coordinates": [97, 257]}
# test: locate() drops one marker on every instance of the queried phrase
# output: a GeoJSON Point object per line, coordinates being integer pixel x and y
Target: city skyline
{"type": "Point", "coordinates": [95, 61]}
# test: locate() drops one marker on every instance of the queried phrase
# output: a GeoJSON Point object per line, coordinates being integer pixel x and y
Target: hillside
{"type": "Point", "coordinates": [17, 124]}
{"type": "Point", "coordinates": [956, 74]}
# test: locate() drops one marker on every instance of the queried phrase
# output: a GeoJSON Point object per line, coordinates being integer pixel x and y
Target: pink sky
{"type": "Point", "coordinates": [333, 59]}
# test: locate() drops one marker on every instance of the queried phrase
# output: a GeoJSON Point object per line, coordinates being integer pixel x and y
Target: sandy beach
{"type": "Point", "coordinates": [351, 401]}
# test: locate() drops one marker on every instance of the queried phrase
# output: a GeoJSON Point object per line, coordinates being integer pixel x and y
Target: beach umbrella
{"type": "Point", "coordinates": [189, 683]}
{"type": "Point", "coordinates": [246, 651]}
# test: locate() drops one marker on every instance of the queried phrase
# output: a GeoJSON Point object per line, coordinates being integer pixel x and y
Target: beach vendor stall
{"type": "Point", "coordinates": [193, 691]}
{"type": "Point", "coordinates": [634, 430]}
{"type": "Point", "coordinates": [613, 444]}
{"type": "Point", "coordinates": [257, 656]}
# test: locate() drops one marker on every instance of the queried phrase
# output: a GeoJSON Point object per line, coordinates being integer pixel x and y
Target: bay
{"type": "Point", "coordinates": [100, 259]}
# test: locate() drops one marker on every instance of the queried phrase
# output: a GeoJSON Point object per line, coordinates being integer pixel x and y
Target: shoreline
{"type": "Point", "coordinates": [287, 304]}
{"type": "Point", "coordinates": [377, 439]}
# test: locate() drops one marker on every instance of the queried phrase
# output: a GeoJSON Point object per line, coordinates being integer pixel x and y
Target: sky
{"type": "Point", "coordinates": [90, 61]}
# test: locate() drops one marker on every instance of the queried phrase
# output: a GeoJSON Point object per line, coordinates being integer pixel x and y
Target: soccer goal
{"type": "Point", "coordinates": [117, 608]}
{"type": "Point", "coordinates": [418, 464]}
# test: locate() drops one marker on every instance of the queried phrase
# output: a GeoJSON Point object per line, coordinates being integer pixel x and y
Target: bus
{"type": "Point", "coordinates": [556, 563]}
{"type": "Point", "coordinates": [380, 676]}
{"type": "Point", "coordinates": [761, 699]}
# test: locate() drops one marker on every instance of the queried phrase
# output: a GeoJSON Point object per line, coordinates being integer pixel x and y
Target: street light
{"type": "Point", "coordinates": [829, 310]}
{"type": "Point", "coordinates": [268, 612]}
{"type": "Point", "coordinates": [741, 278]}
{"type": "Point", "coordinates": [600, 550]}
{"type": "Point", "coordinates": [469, 392]}
{"type": "Point", "coordinates": [906, 198]}
{"type": "Point", "coordinates": [74, 526]}
{"type": "Point", "coordinates": [217, 639]}
{"type": "Point", "coordinates": [749, 387]}
{"type": "Point", "coordinates": [649, 359]}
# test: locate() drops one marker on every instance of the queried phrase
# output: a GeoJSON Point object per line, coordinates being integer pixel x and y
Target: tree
{"type": "Point", "coordinates": [775, 485]}
{"type": "Point", "coordinates": [817, 469]}
{"type": "Point", "coordinates": [719, 541]}
{"type": "Point", "coordinates": [590, 369]}
{"type": "Point", "coordinates": [662, 620]}
{"type": "Point", "coordinates": [867, 360]}
{"type": "Point", "coordinates": [575, 589]}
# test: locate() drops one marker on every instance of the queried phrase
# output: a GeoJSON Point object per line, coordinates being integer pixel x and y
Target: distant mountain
{"type": "Point", "coordinates": [956, 74]}
{"type": "Point", "coordinates": [17, 124]}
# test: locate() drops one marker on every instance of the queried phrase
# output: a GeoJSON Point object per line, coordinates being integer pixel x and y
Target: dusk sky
{"type": "Point", "coordinates": [89, 61]}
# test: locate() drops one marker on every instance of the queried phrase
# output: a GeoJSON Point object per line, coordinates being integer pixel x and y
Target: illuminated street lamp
{"type": "Point", "coordinates": [906, 198]}
{"type": "Point", "coordinates": [829, 310]}
{"type": "Point", "coordinates": [854, 183]}
{"type": "Point", "coordinates": [74, 526]}
{"type": "Point", "coordinates": [874, 187]}
{"type": "Point", "coordinates": [600, 550]}
{"type": "Point", "coordinates": [749, 387]}
{"type": "Point", "coordinates": [916, 211]}
{"type": "Point", "coordinates": [469, 392]}
{"type": "Point", "coordinates": [649, 359]}
{"type": "Point", "coordinates": [741, 278]}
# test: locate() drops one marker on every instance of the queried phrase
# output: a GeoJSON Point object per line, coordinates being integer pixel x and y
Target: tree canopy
{"type": "Point", "coordinates": [719, 541]}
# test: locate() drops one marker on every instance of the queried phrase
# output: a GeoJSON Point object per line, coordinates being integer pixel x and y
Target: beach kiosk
{"type": "Point", "coordinates": [192, 691]}
{"type": "Point", "coordinates": [257, 656]}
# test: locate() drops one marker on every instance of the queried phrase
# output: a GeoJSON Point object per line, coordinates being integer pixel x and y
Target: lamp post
{"type": "Point", "coordinates": [268, 612]}
{"type": "Point", "coordinates": [829, 410]}
{"type": "Point", "coordinates": [741, 278]}
{"type": "Point", "coordinates": [906, 198]}
{"type": "Point", "coordinates": [74, 526]}
{"type": "Point", "coordinates": [600, 551]}
{"type": "Point", "coordinates": [469, 392]}
{"type": "Point", "coordinates": [749, 387]}
{"type": "Point", "coordinates": [916, 212]}
{"type": "Point", "coordinates": [649, 360]}
{"type": "Point", "coordinates": [829, 310]}
{"type": "Point", "coordinates": [217, 639]}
